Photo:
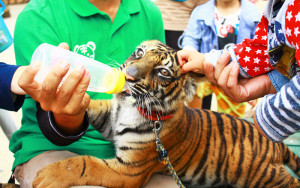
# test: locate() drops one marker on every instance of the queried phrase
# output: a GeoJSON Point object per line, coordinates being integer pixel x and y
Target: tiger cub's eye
{"type": "Point", "coordinates": [164, 72]}
{"type": "Point", "coordinates": [139, 53]}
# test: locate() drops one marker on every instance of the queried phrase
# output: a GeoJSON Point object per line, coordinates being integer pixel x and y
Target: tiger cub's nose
{"type": "Point", "coordinates": [130, 73]}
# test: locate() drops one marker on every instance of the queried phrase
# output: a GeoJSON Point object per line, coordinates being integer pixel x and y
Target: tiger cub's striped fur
{"type": "Point", "coordinates": [205, 148]}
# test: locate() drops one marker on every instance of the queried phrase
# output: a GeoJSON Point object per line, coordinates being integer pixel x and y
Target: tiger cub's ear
{"type": "Point", "coordinates": [191, 84]}
{"type": "Point", "coordinates": [198, 78]}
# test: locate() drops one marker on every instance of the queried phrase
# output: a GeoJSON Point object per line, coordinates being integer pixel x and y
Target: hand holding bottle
{"type": "Point", "coordinates": [67, 101]}
{"type": "Point", "coordinates": [104, 79]}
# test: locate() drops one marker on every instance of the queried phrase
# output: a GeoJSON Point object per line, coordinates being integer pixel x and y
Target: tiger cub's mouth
{"type": "Point", "coordinates": [125, 93]}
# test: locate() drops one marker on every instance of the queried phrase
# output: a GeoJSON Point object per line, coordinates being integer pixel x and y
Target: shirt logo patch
{"type": "Point", "coordinates": [87, 50]}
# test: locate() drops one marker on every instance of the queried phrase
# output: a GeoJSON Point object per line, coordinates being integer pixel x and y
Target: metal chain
{"type": "Point", "coordinates": [163, 154]}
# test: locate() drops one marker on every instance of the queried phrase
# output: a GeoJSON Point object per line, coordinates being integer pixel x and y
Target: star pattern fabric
{"type": "Point", "coordinates": [292, 27]}
{"type": "Point", "coordinates": [252, 54]}
{"type": "Point", "coordinates": [272, 42]}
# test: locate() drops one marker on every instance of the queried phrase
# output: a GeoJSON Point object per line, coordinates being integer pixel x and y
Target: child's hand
{"type": "Point", "coordinates": [191, 61]}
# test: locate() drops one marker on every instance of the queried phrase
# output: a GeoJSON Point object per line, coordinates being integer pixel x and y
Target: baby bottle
{"type": "Point", "coordinates": [104, 79]}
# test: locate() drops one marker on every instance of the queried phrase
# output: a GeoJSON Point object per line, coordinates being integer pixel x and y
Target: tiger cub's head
{"type": "Point", "coordinates": [154, 78]}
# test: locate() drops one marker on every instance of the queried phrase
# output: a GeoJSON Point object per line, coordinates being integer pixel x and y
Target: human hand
{"type": "Point", "coordinates": [68, 101]}
{"type": "Point", "coordinates": [190, 60]}
{"type": "Point", "coordinates": [239, 90]}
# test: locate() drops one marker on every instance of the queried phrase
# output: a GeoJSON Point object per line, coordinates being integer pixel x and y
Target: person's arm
{"type": "Point", "coordinates": [253, 59]}
{"type": "Point", "coordinates": [250, 59]}
{"type": "Point", "coordinates": [191, 38]}
{"type": "Point", "coordinates": [15, 88]}
{"type": "Point", "coordinates": [69, 103]}
{"type": "Point", "coordinates": [277, 115]}
{"type": "Point", "coordinates": [11, 97]}
{"type": "Point", "coordinates": [67, 99]}
{"type": "Point", "coordinates": [57, 131]}
{"type": "Point", "coordinates": [54, 133]}
{"type": "Point", "coordinates": [251, 55]}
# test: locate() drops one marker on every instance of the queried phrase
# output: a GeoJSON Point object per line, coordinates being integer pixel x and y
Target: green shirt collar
{"type": "Point", "coordinates": [84, 8]}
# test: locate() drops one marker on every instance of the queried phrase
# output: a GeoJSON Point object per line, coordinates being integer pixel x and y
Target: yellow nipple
{"type": "Point", "coordinates": [114, 81]}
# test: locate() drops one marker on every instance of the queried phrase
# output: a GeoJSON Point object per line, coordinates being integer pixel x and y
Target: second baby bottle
{"type": "Point", "coordinates": [104, 79]}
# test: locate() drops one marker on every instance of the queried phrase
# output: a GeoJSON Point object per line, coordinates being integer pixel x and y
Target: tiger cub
{"type": "Point", "coordinates": [205, 148]}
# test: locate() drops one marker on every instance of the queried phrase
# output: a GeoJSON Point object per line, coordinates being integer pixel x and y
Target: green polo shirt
{"type": "Point", "coordinates": [90, 32]}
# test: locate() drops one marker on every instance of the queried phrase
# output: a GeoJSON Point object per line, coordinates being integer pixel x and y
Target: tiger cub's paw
{"type": "Point", "coordinates": [54, 175]}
